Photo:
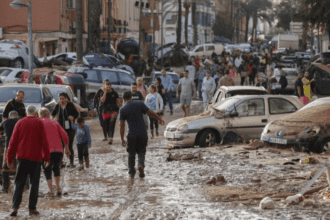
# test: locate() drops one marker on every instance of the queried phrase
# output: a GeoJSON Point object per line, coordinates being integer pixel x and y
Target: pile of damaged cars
{"type": "Point", "coordinates": [308, 128]}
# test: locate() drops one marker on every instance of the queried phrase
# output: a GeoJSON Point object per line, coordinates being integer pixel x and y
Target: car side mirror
{"type": "Point", "coordinates": [75, 99]}
{"type": "Point", "coordinates": [48, 98]}
{"type": "Point", "coordinates": [233, 114]}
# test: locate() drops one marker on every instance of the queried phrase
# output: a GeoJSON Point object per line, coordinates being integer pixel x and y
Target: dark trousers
{"type": "Point", "coordinates": [251, 79]}
{"type": "Point", "coordinates": [102, 122]}
{"type": "Point", "coordinates": [25, 168]}
{"type": "Point", "coordinates": [110, 124]}
{"type": "Point", "coordinates": [54, 165]}
{"type": "Point", "coordinates": [153, 122]}
{"type": "Point", "coordinates": [82, 150]}
{"type": "Point", "coordinates": [136, 145]}
{"type": "Point", "coordinates": [242, 81]}
{"type": "Point", "coordinates": [168, 96]}
{"type": "Point", "coordinates": [70, 134]}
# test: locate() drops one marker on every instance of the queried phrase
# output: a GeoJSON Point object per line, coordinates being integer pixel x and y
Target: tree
{"type": "Point", "coordinates": [79, 32]}
{"type": "Point", "coordinates": [186, 5]}
{"type": "Point", "coordinates": [286, 12]}
{"type": "Point", "coordinates": [194, 22]}
{"type": "Point", "coordinates": [222, 27]}
{"type": "Point", "coordinates": [179, 27]}
{"type": "Point", "coordinates": [96, 10]}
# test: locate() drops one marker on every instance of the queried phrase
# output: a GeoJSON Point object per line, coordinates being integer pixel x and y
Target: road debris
{"type": "Point", "coordinates": [179, 157]}
{"type": "Point", "coordinates": [309, 160]}
{"type": "Point", "coordinates": [217, 179]}
{"type": "Point", "coordinates": [254, 145]}
{"type": "Point", "coordinates": [294, 199]}
{"type": "Point", "coordinates": [267, 203]}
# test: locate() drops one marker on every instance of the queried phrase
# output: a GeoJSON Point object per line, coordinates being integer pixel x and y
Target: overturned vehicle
{"type": "Point", "coordinates": [234, 119]}
{"type": "Point", "coordinates": [308, 128]}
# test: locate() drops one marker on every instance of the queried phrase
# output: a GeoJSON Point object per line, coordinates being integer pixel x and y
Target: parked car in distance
{"type": "Point", "coordinates": [11, 75]}
{"type": "Point", "coordinates": [38, 95]}
{"type": "Point", "coordinates": [233, 119]}
{"type": "Point", "coordinates": [205, 49]}
{"type": "Point", "coordinates": [228, 91]}
{"type": "Point", "coordinates": [308, 127]}
{"type": "Point", "coordinates": [121, 80]}
{"type": "Point", "coordinates": [57, 89]}
{"type": "Point", "coordinates": [14, 53]}
{"type": "Point", "coordinates": [175, 79]}
{"type": "Point", "coordinates": [291, 75]}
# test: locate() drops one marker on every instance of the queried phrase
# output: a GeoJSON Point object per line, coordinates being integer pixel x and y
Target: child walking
{"type": "Point", "coordinates": [84, 142]}
{"type": "Point", "coordinates": [155, 102]}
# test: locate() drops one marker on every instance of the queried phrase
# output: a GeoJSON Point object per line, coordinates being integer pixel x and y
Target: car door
{"type": "Point", "coordinates": [125, 82]}
{"type": "Point", "coordinates": [251, 120]}
{"type": "Point", "coordinates": [93, 81]}
{"type": "Point", "coordinates": [279, 107]}
{"type": "Point", "coordinates": [111, 75]}
{"type": "Point", "coordinates": [199, 51]}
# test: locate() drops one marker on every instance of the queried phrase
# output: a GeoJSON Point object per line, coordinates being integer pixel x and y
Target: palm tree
{"type": "Point", "coordinates": [186, 6]}
{"type": "Point", "coordinates": [79, 32]}
{"type": "Point", "coordinates": [179, 27]}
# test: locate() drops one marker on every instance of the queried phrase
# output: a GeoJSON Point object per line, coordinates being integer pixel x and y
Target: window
{"type": "Point", "coordinates": [91, 76]}
{"type": "Point", "coordinates": [5, 72]}
{"type": "Point", "coordinates": [218, 97]}
{"type": "Point", "coordinates": [200, 49]}
{"type": "Point", "coordinates": [210, 48]}
{"type": "Point", "coordinates": [280, 106]}
{"type": "Point", "coordinates": [46, 92]}
{"type": "Point", "coordinates": [19, 74]}
{"type": "Point", "coordinates": [32, 95]}
{"type": "Point", "coordinates": [251, 107]}
{"type": "Point", "coordinates": [61, 57]}
{"type": "Point", "coordinates": [110, 75]}
{"type": "Point", "coordinates": [125, 79]}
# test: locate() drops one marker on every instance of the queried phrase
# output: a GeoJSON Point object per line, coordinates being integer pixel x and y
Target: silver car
{"type": "Point", "coordinates": [11, 75]}
{"type": "Point", "coordinates": [233, 119]}
{"type": "Point", "coordinates": [14, 53]}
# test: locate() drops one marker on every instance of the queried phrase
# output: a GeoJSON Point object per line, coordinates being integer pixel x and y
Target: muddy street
{"type": "Point", "coordinates": [179, 184]}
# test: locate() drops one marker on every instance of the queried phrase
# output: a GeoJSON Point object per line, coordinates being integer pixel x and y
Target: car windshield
{"type": "Point", "coordinates": [245, 92]}
{"type": "Point", "coordinates": [175, 77]}
{"type": "Point", "coordinates": [32, 95]}
{"type": "Point", "coordinates": [56, 91]}
{"type": "Point", "coordinates": [225, 104]}
{"type": "Point", "coordinates": [5, 72]}
{"type": "Point", "coordinates": [317, 102]}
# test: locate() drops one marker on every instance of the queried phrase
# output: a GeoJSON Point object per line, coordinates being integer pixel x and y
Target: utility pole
{"type": "Point", "coordinates": [154, 28]}
{"type": "Point", "coordinates": [140, 30]}
{"type": "Point", "coordinates": [89, 26]}
{"type": "Point", "coordinates": [237, 21]}
{"type": "Point", "coordinates": [109, 25]}
{"type": "Point", "coordinates": [162, 30]}
{"type": "Point", "coordinates": [231, 17]}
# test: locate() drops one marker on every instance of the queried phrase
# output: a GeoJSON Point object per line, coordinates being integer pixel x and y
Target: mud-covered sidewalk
{"type": "Point", "coordinates": [175, 186]}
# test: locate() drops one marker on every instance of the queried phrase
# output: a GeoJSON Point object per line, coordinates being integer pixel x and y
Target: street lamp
{"type": "Point", "coordinates": [17, 5]}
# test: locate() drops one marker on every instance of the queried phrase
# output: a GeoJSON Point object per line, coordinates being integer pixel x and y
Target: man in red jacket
{"type": "Point", "coordinates": [29, 144]}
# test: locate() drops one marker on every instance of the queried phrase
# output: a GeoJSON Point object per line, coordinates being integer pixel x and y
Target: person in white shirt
{"type": "Point", "coordinates": [192, 71]}
{"type": "Point", "coordinates": [238, 61]}
{"type": "Point", "coordinates": [186, 84]}
{"type": "Point", "coordinates": [155, 102]}
{"type": "Point", "coordinates": [208, 88]}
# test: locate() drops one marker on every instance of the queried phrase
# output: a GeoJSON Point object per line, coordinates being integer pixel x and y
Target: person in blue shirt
{"type": "Point", "coordinates": [167, 83]}
{"type": "Point", "coordinates": [137, 137]}
{"type": "Point", "coordinates": [84, 141]}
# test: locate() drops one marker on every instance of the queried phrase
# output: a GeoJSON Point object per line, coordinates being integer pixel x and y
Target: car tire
{"type": "Point", "coordinates": [207, 139]}
{"type": "Point", "coordinates": [319, 147]}
{"type": "Point", "coordinates": [17, 63]}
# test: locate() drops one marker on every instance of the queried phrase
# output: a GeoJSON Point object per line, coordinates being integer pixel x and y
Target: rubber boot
{"type": "Point", "coordinates": [87, 161]}
{"type": "Point", "coordinates": [5, 182]}
{"type": "Point", "coordinates": [81, 164]}
{"type": "Point", "coordinates": [71, 163]}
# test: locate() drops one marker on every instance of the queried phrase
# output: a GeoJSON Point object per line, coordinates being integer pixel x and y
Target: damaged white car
{"type": "Point", "coordinates": [233, 119]}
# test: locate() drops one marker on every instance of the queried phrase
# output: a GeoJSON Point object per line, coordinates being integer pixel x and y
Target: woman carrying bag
{"type": "Point", "coordinates": [63, 113]}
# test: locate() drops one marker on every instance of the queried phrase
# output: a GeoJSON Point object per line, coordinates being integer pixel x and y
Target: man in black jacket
{"type": "Point", "coordinates": [15, 105]}
{"type": "Point", "coordinates": [7, 127]}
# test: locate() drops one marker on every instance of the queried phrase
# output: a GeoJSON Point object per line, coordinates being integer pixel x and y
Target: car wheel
{"type": "Point", "coordinates": [91, 102]}
{"type": "Point", "coordinates": [322, 146]}
{"type": "Point", "coordinates": [207, 138]}
{"type": "Point", "coordinates": [17, 63]}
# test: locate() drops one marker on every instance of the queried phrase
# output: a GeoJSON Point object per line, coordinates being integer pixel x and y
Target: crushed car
{"type": "Point", "coordinates": [308, 128]}
{"type": "Point", "coordinates": [238, 118]}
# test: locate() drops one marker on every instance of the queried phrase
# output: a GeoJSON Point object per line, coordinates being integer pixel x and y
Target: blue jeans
{"type": "Point", "coordinates": [82, 150]}
{"type": "Point", "coordinates": [200, 84]}
{"type": "Point", "coordinates": [168, 96]}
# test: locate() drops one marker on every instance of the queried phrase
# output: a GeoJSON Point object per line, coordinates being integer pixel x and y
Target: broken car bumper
{"type": "Point", "coordinates": [180, 139]}
{"type": "Point", "coordinates": [272, 139]}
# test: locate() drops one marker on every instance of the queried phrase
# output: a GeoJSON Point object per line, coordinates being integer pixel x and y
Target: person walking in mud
{"type": "Point", "coordinates": [136, 95]}
{"type": "Point", "coordinates": [7, 127]}
{"type": "Point", "coordinates": [84, 141]}
{"type": "Point", "coordinates": [98, 108]}
{"type": "Point", "coordinates": [64, 112]}
{"type": "Point", "coordinates": [137, 137]}
{"type": "Point", "coordinates": [167, 83]}
{"type": "Point", "coordinates": [185, 98]}
{"type": "Point", "coordinates": [155, 102]}
{"type": "Point", "coordinates": [29, 144]}
{"type": "Point", "coordinates": [15, 104]}
{"type": "Point", "coordinates": [54, 134]}
{"type": "Point", "coordinates": [208, 89]}
{"type": "Point", "coordinates": [110, 106]}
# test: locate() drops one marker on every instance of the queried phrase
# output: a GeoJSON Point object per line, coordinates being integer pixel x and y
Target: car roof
{"type": "Point", "coordinates": [55, 85]}
{"type": "Point", "coordinates": [243, 97]}
{"type": "Point", "coordinates": [23, 85]}
{"type": "Point", "coordinates": [233, 88]}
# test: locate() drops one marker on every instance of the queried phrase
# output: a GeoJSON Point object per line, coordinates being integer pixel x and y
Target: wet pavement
{"type": "Point", "coordinates": [178, 189]}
